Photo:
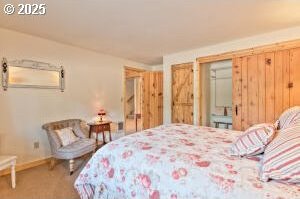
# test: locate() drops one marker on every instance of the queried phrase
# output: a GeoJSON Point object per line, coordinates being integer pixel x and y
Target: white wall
{"type": "Point", "coordinates": [158, 67]}
{"type": "Point", "coordinates": [221, 91]}
{"type": "Point", "coordinates": [191, 55]}
{"type": "Point", "coordinates": [93, 81]}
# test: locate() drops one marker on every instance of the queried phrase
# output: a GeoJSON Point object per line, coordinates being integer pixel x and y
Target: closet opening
{"type": "Point", "coordinates": [216, 94]}
{"type": "Point", "coordinates": [133, 100]}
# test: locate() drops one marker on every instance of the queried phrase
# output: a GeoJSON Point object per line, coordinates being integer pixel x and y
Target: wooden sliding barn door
{"type": "Point", "coordinates": [264, 85]}
{"type": "Point", "coordinates": [182, 93]}
{"type": "Point", "coordinates": [295, 77]}
{"type": "Point", "coordinates": [152, 106]}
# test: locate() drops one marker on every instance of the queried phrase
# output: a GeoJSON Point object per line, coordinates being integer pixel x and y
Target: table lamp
{"type": "Point", "coordinates": [101, 113]}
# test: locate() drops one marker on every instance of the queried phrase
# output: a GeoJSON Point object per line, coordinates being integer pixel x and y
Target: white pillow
{"type": "Point", "coordinates": [66, 136]}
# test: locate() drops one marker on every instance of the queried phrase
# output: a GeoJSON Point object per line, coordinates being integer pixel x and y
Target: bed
{"type": "Point", "coordinates": [176, 161]}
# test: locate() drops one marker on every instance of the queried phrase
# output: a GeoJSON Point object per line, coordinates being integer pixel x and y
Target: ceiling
{"type": "Point", "coordinates": [145, 30]}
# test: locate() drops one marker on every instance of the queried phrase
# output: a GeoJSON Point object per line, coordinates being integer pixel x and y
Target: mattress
{"type": "Point", "coordinates": [176, 161]}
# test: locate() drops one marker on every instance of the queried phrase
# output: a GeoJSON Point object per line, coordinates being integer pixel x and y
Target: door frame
{"type": "Point", "coordinates": [200, 65]}
{"type": "Point", "coordinates": [129, 72]}
{"type": "Point", "coordinates": [176, 67]}
{"type": "Point", "coordinates": [285, 45]}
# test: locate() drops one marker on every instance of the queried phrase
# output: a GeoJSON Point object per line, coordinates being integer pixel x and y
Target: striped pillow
{"type": "Point", "coordinates": [254, 140]}
{"type": "Point", "coordinates": [281, 160]}
{"type": "Point", "coordinates": [289, 117]}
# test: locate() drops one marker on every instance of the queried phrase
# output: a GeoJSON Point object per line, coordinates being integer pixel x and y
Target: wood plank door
{"type": "Point", "coordinates": [237, 93]}
{"type": "Point", "coordinates": [183, 93]}
{"type": "Point", "coordinates": [295, 77]}
{"type": "Point", "coordinates": [152, 105]}
{"type": "Point", "coordinates": [146, 100]}
{"type": "Point", "coordinates": [156, 99]}
{"type": "Point", "coordinates": [260, 88]}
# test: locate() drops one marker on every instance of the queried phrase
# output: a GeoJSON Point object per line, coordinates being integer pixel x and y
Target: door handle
{"type": "Point", "coordinates": [236, 110]}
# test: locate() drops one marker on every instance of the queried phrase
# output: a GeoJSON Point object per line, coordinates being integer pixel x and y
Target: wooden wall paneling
{"type": "Point", "coordinates": [146, 100]}
{"type": "Point", "coordinates": [295, 77]}
{"type": "Point", "coordinates": [244, 113]}
{"type": "Point", "coordinates": [182, 93]}
{"type": "Point", "coordinates": [278, 83]}
{"type": "Point", "coordinates": [270, 87]}
{"type": "Point", "coordinates": [253, 104]}
{"type": "Point", "coordinates": [261, 88]}
{"type": "Point", "coordinates": [286, 79]}
{"type": "Point", "coordinates": [237, 93]}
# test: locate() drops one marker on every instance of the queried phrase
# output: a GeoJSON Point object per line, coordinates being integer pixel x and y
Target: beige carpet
{"type": "Point", "coordinates": [40, 183]}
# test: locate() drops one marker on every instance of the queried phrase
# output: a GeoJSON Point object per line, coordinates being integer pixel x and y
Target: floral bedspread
{"type": "Point", "coordinates": [176, 161]}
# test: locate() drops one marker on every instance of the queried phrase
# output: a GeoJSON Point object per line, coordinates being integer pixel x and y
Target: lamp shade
{"type": "Point", "coordinates": [102, 112]}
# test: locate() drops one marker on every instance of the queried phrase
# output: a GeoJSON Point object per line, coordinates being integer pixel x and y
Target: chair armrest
{"type": "Point", "coordinates": [81, 129]}
{"type": "Point", "coordinates": [54, 141]}
{"type": "Point", "coordinates": [84, 128]}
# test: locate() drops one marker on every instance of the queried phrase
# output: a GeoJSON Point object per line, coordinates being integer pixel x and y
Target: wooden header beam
{"type": "Point", "coordinates": [250, 51]}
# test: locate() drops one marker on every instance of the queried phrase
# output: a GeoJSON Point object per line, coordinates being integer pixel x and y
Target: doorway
{"type": "Point", "coordinates": [216, 89]}
{"type": "Point", "coordinates": [133, 100]}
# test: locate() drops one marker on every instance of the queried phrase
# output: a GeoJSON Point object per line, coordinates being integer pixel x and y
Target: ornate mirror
{"type": "Point", "coordinates": [32, 74]}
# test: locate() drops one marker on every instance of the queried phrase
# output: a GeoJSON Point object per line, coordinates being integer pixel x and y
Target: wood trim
{"type": "Point", "coordinates": [135, 70]}
{"type": "Point", "coordinates": [28, 165]}
{"type": "Point", "coordinates": [180, 66]}
{"type": "Point", "coordinates": [200, 97]}
{"type": "Point", "coordinates": [250, 51]}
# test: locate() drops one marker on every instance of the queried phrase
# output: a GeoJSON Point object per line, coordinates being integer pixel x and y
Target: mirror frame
{"type": "Point", "coordinates": [24, 63]}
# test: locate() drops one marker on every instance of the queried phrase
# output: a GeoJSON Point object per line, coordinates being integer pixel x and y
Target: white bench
{"type": "Point", "coordinates": [9, 161]}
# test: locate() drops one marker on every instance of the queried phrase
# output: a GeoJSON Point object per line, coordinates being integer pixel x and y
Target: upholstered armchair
{"type": "Point", "coordinates": [74, 150]}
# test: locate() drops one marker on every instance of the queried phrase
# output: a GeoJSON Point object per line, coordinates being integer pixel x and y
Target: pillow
{"type": "Point", "coordinates": [281, 159]}
{"type": "Point", "coordinates": [66, 136]}
{"type": "Point", "coordinates": [289, 117]}
{"type": "Point", "coordinates": [254, 140]}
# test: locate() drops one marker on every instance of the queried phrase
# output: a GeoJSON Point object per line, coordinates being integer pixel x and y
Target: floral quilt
{"type": "Point", "coordinates": [176, 161]}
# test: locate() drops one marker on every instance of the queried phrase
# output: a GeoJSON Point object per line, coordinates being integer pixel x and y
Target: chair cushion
{"type": "Point", "coordinates": [254, 140]}
{"type": "Point", "coordinates": [66, 136]}
{"type": "Point", "coordinates": [76, 149]}
{"type": "Point", "coordinates": [281, 160]}
{"type": "Point", "coordinates": [289, 117]}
